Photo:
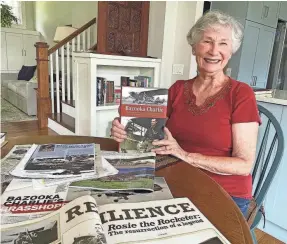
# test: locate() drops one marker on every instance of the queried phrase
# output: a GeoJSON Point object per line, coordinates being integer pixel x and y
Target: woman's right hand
{"type": "Point", "coordinates": [118, 132]}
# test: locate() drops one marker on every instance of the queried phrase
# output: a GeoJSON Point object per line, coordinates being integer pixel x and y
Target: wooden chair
{"type": "Point", "coordinates": [269, 154]}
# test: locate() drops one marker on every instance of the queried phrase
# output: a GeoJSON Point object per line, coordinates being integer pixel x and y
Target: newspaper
{"type": "Point", "coordinates": [10, 161]}
{"type": "Point", "coordinates": [103, 168]}
{"type": "Point", "coordinates": [136, 172]}
{"type": "Point", "coordinates": [83, 221]}
{"type": "Point", "coordinates": [58, 161]}
{"type": "Point", "coordinates": [161, 192]}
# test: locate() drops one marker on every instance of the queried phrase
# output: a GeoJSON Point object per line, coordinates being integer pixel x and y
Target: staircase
{"type": "Point", "coordinates": [56, 88]}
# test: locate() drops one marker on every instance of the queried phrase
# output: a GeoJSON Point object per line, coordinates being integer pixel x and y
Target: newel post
{"type": "Point", "coordinates": [43, 96]}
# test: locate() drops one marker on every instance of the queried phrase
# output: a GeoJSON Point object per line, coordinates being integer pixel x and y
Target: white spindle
{"type": "Point", "coordinates": [89, 37]}
{"type": "Point", "coordinates": [84, 40]}
{"type": "Point", "coordinates": [57, 81]}
{"type": "Point", "coordinates": [63, 73]}
{"type": "Point", "coordinates": [78, 42]}
{"type": "Point", "coordinates": [52, 82]}
{"type": "Point", "coordinates": [68, 72]}
{"type": "Point", "coordinates": [72, 67]}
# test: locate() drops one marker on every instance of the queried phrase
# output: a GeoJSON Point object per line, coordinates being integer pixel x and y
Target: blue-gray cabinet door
{"type": "Point", "coordinates": [254, 11]}
{"type": "Point", "coordinates": [263, 55]}
{"type": "Point", "coordinates": [248, 53]}
{"type": "Point", "coordinates": [283, 10]}
{"type": "Point", "coordinates": [270, 13]}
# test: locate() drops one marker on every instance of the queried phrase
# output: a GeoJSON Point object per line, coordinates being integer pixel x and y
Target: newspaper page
{"type": "Point", "coordinates": [83, 221]}
{"type": "Point", "coordinates": [10, 161]}
{"type": "Point", "coordinates": [161, 192]}
{"type": "Point", "coordinates": [58, 161]}
{"type": "Point", "coordinates": [76, 222]}
{"type": "Point", "coordinates": [136, 172]}
{"type": "Point", "coordinates": [103, 168]}
{"type": "Point", "coordinates": [167, 222]}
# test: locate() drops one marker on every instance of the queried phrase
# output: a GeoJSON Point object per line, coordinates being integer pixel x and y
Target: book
{"type": "Point", "coordinates": [143, 113]}
{"type": "Point", "coordinates": [84, 221]}
{"type": "Point", "coordinates": [135, 172]}
{"type": "Point", "coordinates": [59, 161]}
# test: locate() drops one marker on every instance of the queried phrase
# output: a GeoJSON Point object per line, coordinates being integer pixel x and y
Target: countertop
{"type": "Point", "coordinates": [276, 97]}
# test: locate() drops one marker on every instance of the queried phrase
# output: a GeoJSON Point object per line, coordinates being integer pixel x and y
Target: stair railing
{"type": "Point", "coordinates": [54, 88]}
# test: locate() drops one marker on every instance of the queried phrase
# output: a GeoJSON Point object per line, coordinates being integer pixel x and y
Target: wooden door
{"type": "Point", "coordinates": [123, 28]}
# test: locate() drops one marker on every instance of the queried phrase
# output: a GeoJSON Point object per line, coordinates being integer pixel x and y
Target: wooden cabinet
{"type": "Point", "coordinates": [283, 11]}
{"type": "Point", "coordinates": [17, 49]}
{"type": "Point", "coordinates": [256, 54]}
{"type": "Point", "coordinates": [276, 198]}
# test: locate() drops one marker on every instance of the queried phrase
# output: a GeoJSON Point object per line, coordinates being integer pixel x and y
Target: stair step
{"type": "Point", "coordinates": [65, 120]}
{"type": "Point", "coordinates": [70, 103]}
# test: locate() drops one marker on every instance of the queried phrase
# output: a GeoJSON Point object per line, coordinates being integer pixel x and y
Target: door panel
{"type": "Point", "coordinates": [29, 49]}
{"type": "Point", "coordinates": [14, 51]}
{"type": "Point", "coordinates": [123, 28]}
{"type": "Point", "coordinates": [249, 46]}
{"type": "Point", "coordinates": [263, 54]}
{"type": "Point", "coordinates": [270, 13]}
{"type": "Point", "coordinates": [254, 12]}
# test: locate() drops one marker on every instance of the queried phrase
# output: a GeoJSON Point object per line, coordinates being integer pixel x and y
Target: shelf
{"type": "Point", "coordinates": [107, 107]}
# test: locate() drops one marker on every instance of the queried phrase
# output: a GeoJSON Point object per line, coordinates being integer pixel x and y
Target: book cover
{"type": "Point", "coordinates": [143, 113]}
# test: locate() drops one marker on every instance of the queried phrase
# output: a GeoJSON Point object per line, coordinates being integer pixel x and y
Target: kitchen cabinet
{"type": "Point", "coordinates": [262, 12]}
{"type": "Point", "coordinates": [17, 49]}
{"type": "Point", "coordinates": [276, 198]}
{"type": "Point", "coordinates": [283, 11]}
{"type": "Point", "coordinates": [256, 52]}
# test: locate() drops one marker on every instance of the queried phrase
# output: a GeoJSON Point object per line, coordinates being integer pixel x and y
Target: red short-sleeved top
{"type": "Point", "coordinates": [207, 129]}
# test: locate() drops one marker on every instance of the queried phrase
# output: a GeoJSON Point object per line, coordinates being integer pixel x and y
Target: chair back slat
{"type": "Point", "coordinates": [261, 150]}
{"type": "Point", "coordinates": [265, 168]}
{"type": "Point", "coordinates": [265, 165]}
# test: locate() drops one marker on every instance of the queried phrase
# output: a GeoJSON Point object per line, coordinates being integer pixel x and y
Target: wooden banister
{"type": "Point", "coordinates": [43, 95]}
{"type": "Point", "coordinates": [70, 37]}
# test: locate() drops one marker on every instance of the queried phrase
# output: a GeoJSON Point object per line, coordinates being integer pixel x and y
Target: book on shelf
{"type": "Point", "coordinates": [143, 114]}
{"type": "Point", "coordinates": [59, 161]}
{"type": "Point", "coordinates": [137, 81]}
{"type": "Point", "coordinates": [105, 91]}
{"type": "Point", "coordinates": [135, 172]}
{"type": "Point", "coordinates": [84, 221]}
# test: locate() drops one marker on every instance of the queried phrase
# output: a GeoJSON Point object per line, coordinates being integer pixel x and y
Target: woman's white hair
{"type": "Point", "coordinates": [214, 18]}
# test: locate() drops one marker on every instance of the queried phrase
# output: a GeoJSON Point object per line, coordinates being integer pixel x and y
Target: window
{"type": "Point", "coordinates": [18, 8]}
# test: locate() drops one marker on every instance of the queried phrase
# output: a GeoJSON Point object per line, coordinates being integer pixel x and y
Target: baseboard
{"type": "Point", "coordinates": [61, 130]}
{"type": "Point", "coordinates": [273, 230]}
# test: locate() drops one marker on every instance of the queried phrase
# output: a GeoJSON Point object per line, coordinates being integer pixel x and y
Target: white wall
{"type": "Point", "coordinates": [179, 18]}
{"type": "Point", "coordinates": [50, 14]}
{"type": "Point", "coordinates": [29, 15]}
{"type": "Point", "coordinates": [156, 28]}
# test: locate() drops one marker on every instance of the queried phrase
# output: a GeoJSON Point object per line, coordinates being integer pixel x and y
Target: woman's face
{"type": "Point", "coordinates": [214, 49]}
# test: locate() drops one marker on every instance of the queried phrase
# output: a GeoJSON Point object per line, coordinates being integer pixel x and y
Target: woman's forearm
{"type": "Point", "coordinates": [219, 165]}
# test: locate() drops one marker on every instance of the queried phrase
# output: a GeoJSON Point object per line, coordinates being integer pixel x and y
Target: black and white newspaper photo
{"type": "Point", "coordinates": [58, 161]}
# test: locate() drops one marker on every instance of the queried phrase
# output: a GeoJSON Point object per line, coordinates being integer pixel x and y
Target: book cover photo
{"type": "Point", "coordinates": [143, 113]}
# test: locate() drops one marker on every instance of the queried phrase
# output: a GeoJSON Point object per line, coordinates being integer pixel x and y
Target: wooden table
{"type": "Point", "coordinates": [184, 181]}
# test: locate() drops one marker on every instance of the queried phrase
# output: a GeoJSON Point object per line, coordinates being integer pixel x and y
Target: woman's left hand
{"type": "Point", "coordinates": [169, 146]}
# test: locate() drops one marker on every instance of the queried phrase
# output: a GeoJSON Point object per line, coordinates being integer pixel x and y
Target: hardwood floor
{"type": "Point", "coordinates": [30, 128]}
{"type": "Point", "coordinates": [24, 128]}
{"type": "Point", "coordinates": [264, 238]}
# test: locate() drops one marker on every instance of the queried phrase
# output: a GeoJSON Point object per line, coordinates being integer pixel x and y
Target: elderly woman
{"type": "Point", "coordinates": [212, 119]}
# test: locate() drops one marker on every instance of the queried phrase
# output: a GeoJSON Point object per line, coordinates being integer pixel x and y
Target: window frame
{"type": "Point", "coordinates": [23, 12]}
